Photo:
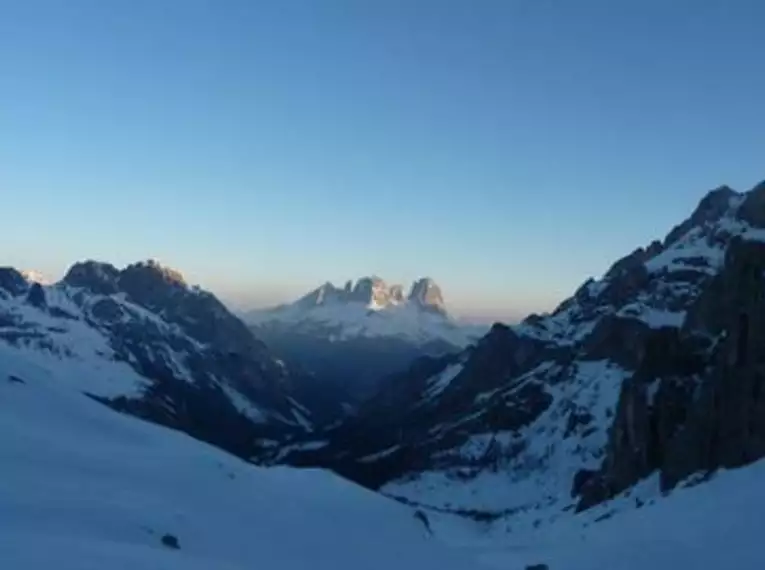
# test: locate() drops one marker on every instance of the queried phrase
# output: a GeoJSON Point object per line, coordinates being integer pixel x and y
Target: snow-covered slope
{"type": "Point", "coordinates": [86, 488]}
{"type": "Point", "coordinates": [715, 525]}
{"type": "Point", "coordinates": [654, 368]}
{"type": "Point", "coordinates": [143, 341]}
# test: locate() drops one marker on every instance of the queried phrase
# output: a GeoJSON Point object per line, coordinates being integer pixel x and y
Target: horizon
{"type": "Point", "coordinates": [511, 150]}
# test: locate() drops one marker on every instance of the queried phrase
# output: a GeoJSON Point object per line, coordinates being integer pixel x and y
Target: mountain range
{"type": "Point", "coordinates": [143, 341]}
{"type": "Point", "coordinates": [652, 370]}
{"type": "Point", "coordinates": [623, 417]}
{"type": "Point", "coordinates": [350, 338]}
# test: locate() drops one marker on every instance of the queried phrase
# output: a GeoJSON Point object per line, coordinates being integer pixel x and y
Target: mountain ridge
{"type": "Point", "coordinates": [541, 410]}
{"type": "Point", "coordinates": [164, 350]}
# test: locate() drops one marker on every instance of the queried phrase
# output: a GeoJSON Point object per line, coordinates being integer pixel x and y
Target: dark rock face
{"type": "Point", "coordinates": [620, 339]}
{"type": "Point", "coordinates": [93, 276]}
{"type": "Point", "coordinates": [347, 371]}
{"type": "Point", "coordinates": [12, 282]}
{"type": "Point", "coordinates": [36, 296]}
{"type": "Point", "coordinates": [369, 289]}
{"type": "Point", "coordinates": [753, 208]}
{"type": "Point", "coordinates": [427, 295]}
{"type": "Point", "coordinates": [697, 400]}
{"type": "Point", "coordinates": [107, 310]}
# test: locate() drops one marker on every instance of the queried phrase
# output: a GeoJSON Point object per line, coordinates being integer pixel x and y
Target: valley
{"type": "Point", "coordinates": [607, 433]}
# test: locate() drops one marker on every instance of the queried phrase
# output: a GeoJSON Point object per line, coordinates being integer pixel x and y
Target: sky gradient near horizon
{"type": "Point", "coordinates": [508, 149]}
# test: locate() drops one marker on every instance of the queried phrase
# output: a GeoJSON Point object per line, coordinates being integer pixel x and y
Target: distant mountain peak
{"type": "Point", "coordinates": [371, 307]}
{"type": "Point", "coordinates": [93, 275]}
{"type": "Point", "coordinates": [154, 267]}
{"type": "Point", "coordinates": [12, 281]}
{"type": "Point", "coordinates": [376, 294]}
{"type": "Point", "coordinates": [33, 276]}
{"type": "Point", "coordinates": [426, 294]}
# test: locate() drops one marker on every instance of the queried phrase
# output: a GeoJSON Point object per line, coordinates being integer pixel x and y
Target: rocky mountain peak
{"type": "Point", "coordinates": [752, 209]}
{"type": "Point", "coordinates": [711, 208]}
{"type": "Point", "coordinates": [323, 294]}
{"type": "Point", "coordinates": [376, 293]}
{"type": "Point", "coordinates": [153, 269]}
{"type": "Point", "coordinates": [94, 276]}
{"type": "Point", "coordinates": [12, 281]}
{"type": "Point", "coordinates": [427, 295]}
{"type": "Point", "coordinates": [371, 290]}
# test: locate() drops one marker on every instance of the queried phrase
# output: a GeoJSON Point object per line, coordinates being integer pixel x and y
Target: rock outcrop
{"type": "Point", "coordinates": [697, 400]}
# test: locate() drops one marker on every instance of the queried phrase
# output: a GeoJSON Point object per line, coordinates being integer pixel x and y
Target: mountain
{"type": "Point", "coordinates": [85, 488]}
{"type": "Point", "coordinates": [653, 372]}
{"type": "Point", "coordinates": [143, 341]}
{"type": "Point", "coordinates": [351, 337]}
{"type": "Point", "coordinates": [626, 429]}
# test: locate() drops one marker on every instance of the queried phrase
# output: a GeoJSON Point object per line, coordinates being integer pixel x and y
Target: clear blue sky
{"type": "Point", "coordinates": [508, 148]}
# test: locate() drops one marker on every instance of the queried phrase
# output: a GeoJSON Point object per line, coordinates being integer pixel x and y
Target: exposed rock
{"type": "Point", "coordinates": [12, 281]}
{"type": "Point", "coordinates": [36, 296]}
{"type": "Point", "coordinates": [710, 208]}
{"type": "Point", "coordinates": [752, 210]}
{"type": "Point", "coordinates": [107, 310]}
{"type": "Point", "coordinates": [93, 276]}
{"type": "Point", "coordinates": [427, 295]}
{"type": "Point", "coordinates": [619, 339]}
{"type": "Point", "coordinates": [697, 400]}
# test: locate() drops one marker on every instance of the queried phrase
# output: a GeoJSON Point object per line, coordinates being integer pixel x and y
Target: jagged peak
{"type": "Point", "coordinates": [376, 293]}
{"type": "Point", "coordinates": [12, 281]}
{"type": "Point", "coordinates": [154, 266]}
{"type": "Point", "coordinates": [94, 275]}
{"type": "Point", "coordinates": [710, 208]}
{"type": "Point", "coordinates": [752, 209]}
{"type": "Point", "coordinates": [427, 294]}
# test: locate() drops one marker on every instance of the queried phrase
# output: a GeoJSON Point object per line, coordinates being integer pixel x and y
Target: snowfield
{"type": "Point", "coordinates": [85, 488]}
{"type": "Point", "coordinates": [716, 525]}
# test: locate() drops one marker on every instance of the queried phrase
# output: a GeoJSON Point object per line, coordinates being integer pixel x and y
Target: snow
{"type": "Point", "coordinates": [379, 455]}
{"type": "Point", "coordinates": [714, 525]}
{"type": "Point", "coordinates": [301, 419]}
{"type": "Point", "coordinates": [243, 405]}
{"type": "Point", "coordinates": [285, 450]}
{"type": "Point", "coordinates": [540, 471]}
{"type": "Point", "coordinates": [653, 317]}
{"type": "Point", "coordinates": [70, 346]}
{"type": "Point", "coordinates": [693, 245]}
{"type": "Point", "coordinates": [348, 320]}
{"type": "Point", "coordinates": [440, 382]}
{"type": "Point", "coordinates": [86, 488]}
